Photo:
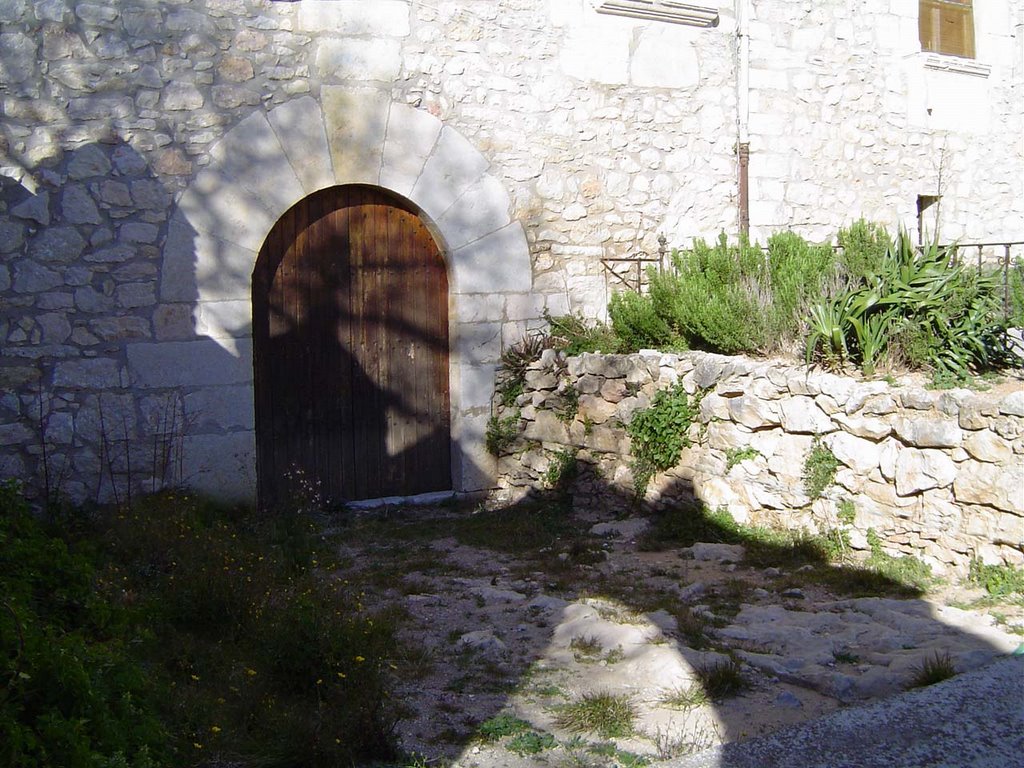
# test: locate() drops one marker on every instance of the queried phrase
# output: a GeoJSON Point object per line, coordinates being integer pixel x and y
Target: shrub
{"type": "Point", "coordinates": [636, 322]}
{"type": "Point", "coordinates": [862, 248]}
{"type": "Point", "coordinates": [741, 298]}
{"type": "Point", "coordinates": [501, 432]}
{"type": "Point", "coordinates": [998, 580]}
{"type": "Point", "coordinates": [819, 469]}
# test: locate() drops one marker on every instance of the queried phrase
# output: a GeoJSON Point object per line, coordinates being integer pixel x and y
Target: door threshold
{"type": "Point", "coordinates": [418, 500]}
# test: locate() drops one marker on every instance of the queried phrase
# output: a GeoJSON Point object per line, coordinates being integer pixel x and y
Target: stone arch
{"type": "Point", "coordinates": [271, 160]}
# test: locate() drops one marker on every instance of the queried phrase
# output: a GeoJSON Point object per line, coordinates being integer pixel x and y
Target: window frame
{"type": "Point", "coordinates": [946, 27]}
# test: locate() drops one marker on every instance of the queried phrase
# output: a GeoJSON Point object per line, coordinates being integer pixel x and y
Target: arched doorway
{"type": "Point", "coordinates": [350, 351]}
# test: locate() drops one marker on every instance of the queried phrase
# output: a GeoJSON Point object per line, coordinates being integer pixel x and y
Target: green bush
{"type": "Point", "coordinates": [574, 335]}
{"type": "Point", "coordinates": [636, 322]}
{"type": "Point", "coordinates": [72, 693]}
{"type": "Point", "coordinates": [740, 298]}
{"type": "Point", "coordinates": [862, 248]}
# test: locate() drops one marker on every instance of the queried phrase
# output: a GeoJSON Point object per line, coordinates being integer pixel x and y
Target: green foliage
{"type": "Point", "coordinates": [998, 580]}
{"type": "Point", "coordinates": [658, 434]}
{"type": "Point", "coordinates": [934, 669]}
{"type": "Point", "coordinates": [819, 469]}
{"type": "Point", "coordinates": [531, 743]}
{"type": "Point", "coordinates": [1015, 285]}
{"type": "Point", "coordinates": [500, 726]}
{"type": "Point", "coordinates": [917, 309]}
{"type": "Point", "coordinates": [740, 298]}
{"type": "Point", "coordinates": [722, 679]}
{"type": "Point", "coordinates": [862, 248]}
{"type": "Point", "coordinates": [635, 320]}
{"type": "Point", "coordinates": [846, 512]}
{"type": "Point", "coordinates": [181, 633]}
{"type": "Point", "coordinates": [514, 362]}
{"type": "Point", "coordinates": [73, 696]}
{"type": "Point", "coordinates": [734, 456]}
{"type": "Point", "coordinates": [570, 404]}
{"type": "Point", "coordinates": [562, 470]}
{"type": "Point", "coordinates": [907, 571]}
{"type": "Point", "coordinates": [573, 334]}
{"type": "Point", "coordinates": [606, 714]}
{"type": "Point", "coordinates": [501, 432]}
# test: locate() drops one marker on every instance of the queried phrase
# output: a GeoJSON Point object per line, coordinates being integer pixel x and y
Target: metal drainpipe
{"type": "Point", "coordinates": [742, 111]}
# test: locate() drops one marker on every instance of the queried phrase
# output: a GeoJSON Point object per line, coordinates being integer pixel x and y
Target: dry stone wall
{"type": "Point", "coordinates": [936, 474]}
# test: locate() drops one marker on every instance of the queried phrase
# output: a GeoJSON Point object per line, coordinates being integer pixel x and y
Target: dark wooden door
{"type": "Point", "coordinates": [350, 349]}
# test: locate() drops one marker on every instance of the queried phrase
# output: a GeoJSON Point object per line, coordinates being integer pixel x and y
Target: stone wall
{"type": "Point", "coordinates": [147, 147]}
{"type": "Point", "coordinates": [937, 474]}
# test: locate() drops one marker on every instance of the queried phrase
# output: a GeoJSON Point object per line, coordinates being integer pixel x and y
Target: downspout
{"type": "Point", "coordinates": [743, 112]}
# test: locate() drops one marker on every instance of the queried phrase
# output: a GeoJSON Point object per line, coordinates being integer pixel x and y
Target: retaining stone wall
{"type": "Point", "coordinates": [937, 474]}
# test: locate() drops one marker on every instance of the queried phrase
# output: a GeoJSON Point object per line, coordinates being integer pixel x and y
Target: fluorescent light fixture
{"type": "Point", "coordinates": [660, 10]}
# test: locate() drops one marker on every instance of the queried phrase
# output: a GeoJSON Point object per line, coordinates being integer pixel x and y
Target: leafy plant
{"type": "Point", "coordinates": [515, 360]}
{"type": "Point", "coordinates": [562, 470]}
{"type": "Point", "coordinates": [819, 469]}
{"type": "Point", "coordinates": [659, 433]}
{"type": "Point", "coordinates": [997, 580]}
{"type": "Point", "coordinates": [501, 726]}
{"type": "Point", "coordinates": [734, 456]}
{"type": "Point", "coordinates": [531, 743]}
{"type": "Point", "coordinates": [637, 323]}
{"type": "Point", "coordinates": [501, 432]}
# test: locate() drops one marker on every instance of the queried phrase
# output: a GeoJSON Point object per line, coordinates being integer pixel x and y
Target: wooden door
{"type": "Point", "coordinates": [350, 349]}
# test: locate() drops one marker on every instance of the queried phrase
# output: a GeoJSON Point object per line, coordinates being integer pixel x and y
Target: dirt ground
{"type": "Point", "coordinates": [534, 637]}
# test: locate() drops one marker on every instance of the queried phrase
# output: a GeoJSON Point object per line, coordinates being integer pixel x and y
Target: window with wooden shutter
{"type": "Point", "coordinates": [947, 26]}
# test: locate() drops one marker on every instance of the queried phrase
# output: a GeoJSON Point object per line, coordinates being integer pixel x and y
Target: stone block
{"type": "Point", "coordinates": [921, 469]}
{"type": "Point", "coordinates": [869, 427]}
{"type": "Point", "coordinates": [356, 122]}
{"type": "Point", "coordinates": [30, 277]}
{"type": "Point", "coordinates": [991, 485]}
{"type": "Point", "coordinates": [410, 138]}
{"type": "Point", "coordinates": [475, 386]}
{"type": "Point", "coordinates": [477, 343]}
{"type": "Point", "coordinates": [199, 363]}
{"type": "Point", "coordinates": [753, 412]}
{"type": "Point", "coordinates": [801, 415]}
{"type": "Point", "coordinates": [547, 428]}
{"type": "Point", "coordinates": [359, 60]}
{"type": "Point", "coordinates": [251, 155]}
{"type": "Point", "coordinates": [1013, 404]}
{"type": "Point", "coordinates": [381, 18]}
{"type": "Point", "coordinates": [989, 447]}
{"type": "Point", "coordinates": [929, 433]}
{"type": "Point", "coordinates": [498, 263]}
{"type": "Point", "coordinates": [452, 168]}
{"type": "Point", "coordinates": [480, 307]}
{"type": "Point", "coordinates": [58, 245]}
{"type": "Point", "coordinates": [179, 96]}
{"type": "Point", "coordinates": [855, 452]}
{"type": "Point", "coordinates": [95, 373]}
{"type": "Point", "coordinates": [216, 205]}
{"type": "Point", "coordinates": [173, 322]}
{"type": "Point", "coordinates": [223, 466]}
{"type": "Point", "coordinates": [220, 409]}
{"type": "Point", "coordinates": [299, 125]}
{"type": "Point", "coordinates": [482, 209]}
{"type": "Point", "coordinates": [223, 319]}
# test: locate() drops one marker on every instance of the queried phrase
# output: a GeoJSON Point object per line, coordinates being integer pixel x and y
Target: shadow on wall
{"type": "Point", "coordinates": [745, 636]}
{"type": "Point", "coordinates": [129, 368]}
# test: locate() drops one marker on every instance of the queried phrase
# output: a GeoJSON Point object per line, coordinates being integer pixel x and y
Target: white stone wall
{"type": "Point", "coordinates": [939, 475]}
{"type": "Point", "coordinates": [584, 135]}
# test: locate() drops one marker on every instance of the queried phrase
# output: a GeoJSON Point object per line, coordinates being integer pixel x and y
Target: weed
{"type": "Point", "coordinates": [606, 714]}
{"type": "Point", "coordinates": [844, 657]}
{"type": "Point", "coordinates": [695, 737]}
{"type": "Point", "coordinates": [621, 757]}
{"type": "Point", "coordinates": [819, 469]}
{"type": "Point", "coordinates": [691, 697]}
{"type": "Point", "coordinates": [734, 456]}
{"type": "Point", "coordinates": [570, 404]}
{"type": "Point", "coordinates": [586, 649]}
{"type": "Point", "coordinates": [846, 512]}
{"type": "Point", "coordinates": [562, 470]}
{"type": "Point", "coordinates": [501, 726]}
{"type": "Point", "coordinates": [531, 743]}
{"type": "Point", "coordinates": [934, 669]}
{"type": "Point", "coordinates": [722, 679]}
{"type": "Point", "coordinates": [658, 434]}
{"type": "Point", "coordinates": [997, 580]}
{"type": "Point", "coordinates": [501, 433]}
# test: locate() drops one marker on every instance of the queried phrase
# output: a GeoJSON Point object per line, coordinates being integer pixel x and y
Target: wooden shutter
{"type": "Point", "coordinates": [947, 26]}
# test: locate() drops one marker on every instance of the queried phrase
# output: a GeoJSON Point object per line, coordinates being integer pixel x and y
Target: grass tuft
{"type": "Point", "coordinates": [934, 669]}
{"type": "Point", "coordinates": [606, 714]}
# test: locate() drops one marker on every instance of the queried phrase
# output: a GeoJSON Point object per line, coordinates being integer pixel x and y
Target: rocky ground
{"type": "Point", "coordinates": [534, 638]}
